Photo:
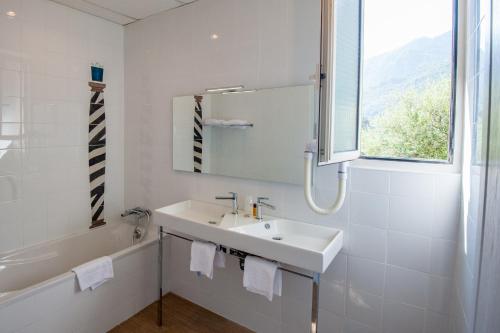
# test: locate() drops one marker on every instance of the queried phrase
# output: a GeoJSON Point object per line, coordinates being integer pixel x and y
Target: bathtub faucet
{"type": "Point", "coordinates": [137, 211]}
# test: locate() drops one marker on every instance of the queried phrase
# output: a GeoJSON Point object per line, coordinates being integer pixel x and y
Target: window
{"type": "Point", "coordinates": [408, 80]}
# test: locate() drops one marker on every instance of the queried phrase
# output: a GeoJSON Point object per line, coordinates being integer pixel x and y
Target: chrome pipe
{"type": "Point", "coordinates": [315, 303]}
{"type": "Point", "coordinates": [160, 276]}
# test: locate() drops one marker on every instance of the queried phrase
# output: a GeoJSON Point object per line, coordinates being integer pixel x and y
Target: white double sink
{"type": "Point", "coordinates": [299, 244]}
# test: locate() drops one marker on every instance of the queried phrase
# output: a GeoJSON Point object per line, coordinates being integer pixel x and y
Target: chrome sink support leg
{"type": "Point", "coordinates": [160, 276]}
{"type": "Point", "coordinates": [315, 303]}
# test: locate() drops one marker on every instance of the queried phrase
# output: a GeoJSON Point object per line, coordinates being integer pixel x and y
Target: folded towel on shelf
{"type": "Point", "coordinates": [262, 277]}
{"type": "Point", "coordinates": [226, 123]}
{"type": "Point", "coordinates": [211, 121]}
{"type": "Point", "coordinates": [220, 258]}
{"type": "Point", "coordinates": [202, 258]}
{"type": "Point", "coordinates": [236, 122]}
{"type": "Point", "coordinates": [94, 273]}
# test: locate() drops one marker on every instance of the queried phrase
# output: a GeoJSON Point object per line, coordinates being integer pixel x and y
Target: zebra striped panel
{"type": "Point", "coordinates": [198, 135]}
{"type": "Point", "coordinates": [97, 153]}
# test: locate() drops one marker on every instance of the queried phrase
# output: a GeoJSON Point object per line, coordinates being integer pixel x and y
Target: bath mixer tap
{"type": "Point", "coordinates": [137, 211]}
{"type": "Point", "coordinates": [233, 198]}
{"type": "Point", "coordinates": [261, 202]}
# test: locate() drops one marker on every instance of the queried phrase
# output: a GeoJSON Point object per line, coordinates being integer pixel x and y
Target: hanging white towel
{"type": "Point", "coordinates": [94, 273]}
{"type": "Point", "coordinates": [202, 258]}
{"type": "Point", "coordinates": [220, 258]}
{"type": "Point", "coordinates": [262, 277]}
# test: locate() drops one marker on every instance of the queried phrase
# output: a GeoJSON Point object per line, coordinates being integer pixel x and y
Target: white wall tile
{"type": "Point", "coordinates": [368, 242]}
{"type": "Point", "coordinates": [409, 251]}
{"type": "Point", "coordinates": [409, 214]}
{"type": "Point", "coordinates": [364, 308]}
{"type": "Point", "coordinates": [371, 181]}
{"type": "Point", "coordinates": [10, 188]}
{"type": "Point", "coordinates": [443, 257]}
{"type": "Point", "coordinates": [403, 318]}
{"type": "Point", "coordinates": [329, 322]}
{"type": "Point", "coordinates": [10, 162]}
{"type": "Point", "coordinates": [332, 298]}
{"type": "Point", "coordinates": [337, 272]}
{"type": "Point", "coordinates": [446, 219]}
{"type": "Point", "coordinates": [369, 209]}
{"type": "Point", "coordinates": [439, 294]}
{"type": "Point", "coordinates": [412, 184]}
{"type": "Point", "coordinates": [366, 275]}
{"type": "Point", "coordinates": [406, 286]}
{"type": "Point", "coordinates": [352, 326]}
{"type": "Point", "coordinates": [436, 323]}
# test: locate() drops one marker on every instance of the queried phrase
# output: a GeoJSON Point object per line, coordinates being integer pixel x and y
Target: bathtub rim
{"type": "Point", "coordinates": [9, 298]}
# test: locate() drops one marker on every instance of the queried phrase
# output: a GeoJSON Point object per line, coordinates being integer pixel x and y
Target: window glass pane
{"type": "Point", "coordinates": [407, 72]}
{"type": "Point", "coordinates": [346, 75]}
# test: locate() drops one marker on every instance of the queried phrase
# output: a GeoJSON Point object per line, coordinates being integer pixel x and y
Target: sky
{"type": "Point", "coordinates": [390, 24]}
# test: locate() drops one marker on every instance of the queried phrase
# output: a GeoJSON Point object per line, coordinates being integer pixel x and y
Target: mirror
{"type": "Point", "coordinates": [258, 134]}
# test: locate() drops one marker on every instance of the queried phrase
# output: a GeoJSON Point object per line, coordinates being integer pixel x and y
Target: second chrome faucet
{"type": "Point", "coordinates": [261, 202]}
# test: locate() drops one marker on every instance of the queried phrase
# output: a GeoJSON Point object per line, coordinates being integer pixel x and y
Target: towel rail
{"type": "Point", "coordinates": [241, 255]}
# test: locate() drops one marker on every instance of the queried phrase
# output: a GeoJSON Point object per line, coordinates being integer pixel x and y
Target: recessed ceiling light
{"type": "Point", "coordinates": [214, 36]}
{"type": "Point", "coordinates": [11, 13]}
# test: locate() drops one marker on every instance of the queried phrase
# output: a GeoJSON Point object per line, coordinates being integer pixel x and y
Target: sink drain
{"type": "Point", "coordinates": [278, 238]}
{"type": "Point", "coordinates": [212, 222]}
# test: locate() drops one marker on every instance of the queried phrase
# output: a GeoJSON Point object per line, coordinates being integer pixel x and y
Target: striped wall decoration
{"type": "Point", "coordinates": [97, 153]}
{"type": "Point", "coordinates": [198, 135]}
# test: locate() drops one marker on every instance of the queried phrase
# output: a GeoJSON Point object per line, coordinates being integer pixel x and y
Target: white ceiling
{"type": "Point", "coordinates": [123, 11]}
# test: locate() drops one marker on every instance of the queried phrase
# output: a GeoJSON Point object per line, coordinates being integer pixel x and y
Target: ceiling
{"type": "Point", "coordinates": [123, 11]}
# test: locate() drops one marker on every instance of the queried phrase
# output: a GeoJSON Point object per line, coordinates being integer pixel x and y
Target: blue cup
{"type": "Point", "coordinates": [97, 73]}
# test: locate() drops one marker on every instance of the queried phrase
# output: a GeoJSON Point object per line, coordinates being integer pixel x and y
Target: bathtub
{"type": "Point", "coordinates": [39, 292]}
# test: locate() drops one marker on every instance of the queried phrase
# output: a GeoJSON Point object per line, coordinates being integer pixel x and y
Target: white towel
{"type": "Point", "coordinates": [220, 258]}
{"type": "Point", "coordinates": [236, 122]}
{"type": "Point", "coordinates": [262, 277]}
{"type": "Point", "coordinates": [226, 123]}
{"type": "Point", "coordinates": [94, 273]}
{"type": "Point", "coordinates": [202, 258]}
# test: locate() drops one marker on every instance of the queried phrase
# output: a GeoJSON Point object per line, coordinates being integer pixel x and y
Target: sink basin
{"type": "Point", "coordinates": [299, 244]}
{"type": "Point", "coordinates": [291, 233]}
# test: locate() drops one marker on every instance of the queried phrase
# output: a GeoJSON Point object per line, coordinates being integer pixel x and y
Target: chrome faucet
{"type": "Point", "coordinates": [234, 198]}
{"type": "Point", "coordinates": [137, 211]}
{"type": "Point", "coordinates": [260, 203]}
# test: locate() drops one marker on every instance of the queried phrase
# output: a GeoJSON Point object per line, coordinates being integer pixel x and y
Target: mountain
{"type": "Point", "coordinates": [412, 66]}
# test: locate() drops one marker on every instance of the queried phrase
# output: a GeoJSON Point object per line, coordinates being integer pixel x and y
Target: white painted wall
{"type": "Point", "coordinates": [45, 54]}
{"type": "Point", "coordinates": [394, 274]}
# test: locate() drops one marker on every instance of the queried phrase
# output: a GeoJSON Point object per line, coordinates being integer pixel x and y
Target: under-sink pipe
{"type": "Point", "coordinates": [341, 192]}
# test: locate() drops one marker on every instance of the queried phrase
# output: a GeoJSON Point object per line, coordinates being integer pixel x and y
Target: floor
{"type": "Point", "coordinates": [180, 316]}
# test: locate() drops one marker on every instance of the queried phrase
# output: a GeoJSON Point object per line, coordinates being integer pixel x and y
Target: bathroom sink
{"type": "Point", "coordinates": [195, 211]}
{"type": "Point", "coordinates": [292, 233]}
{"type": "Point", "coordinates": [299, 244]}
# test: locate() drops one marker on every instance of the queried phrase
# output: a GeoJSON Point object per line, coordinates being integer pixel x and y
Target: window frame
{"type": "Point", "coordinates": [453, 101]}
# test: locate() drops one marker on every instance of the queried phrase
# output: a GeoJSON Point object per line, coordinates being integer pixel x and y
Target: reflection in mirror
{"type": "Point", "coordinates": [257, 134]}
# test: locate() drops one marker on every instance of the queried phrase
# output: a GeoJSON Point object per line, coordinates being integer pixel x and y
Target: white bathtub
{"type": "Point", "coordinates": [39, 293]}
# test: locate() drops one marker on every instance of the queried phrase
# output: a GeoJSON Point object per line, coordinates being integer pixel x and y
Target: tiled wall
{"type": "Point", "coordinates": [45, 53]}
{"type": "Point", "coordinates": [394, 274]}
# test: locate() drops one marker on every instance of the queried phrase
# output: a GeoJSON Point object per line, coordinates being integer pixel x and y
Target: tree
{"type": "Point", "coordinates": [415, 127]}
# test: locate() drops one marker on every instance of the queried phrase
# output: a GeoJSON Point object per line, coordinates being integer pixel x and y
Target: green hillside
{"type": "Point", "coordinates": [415, 65]}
